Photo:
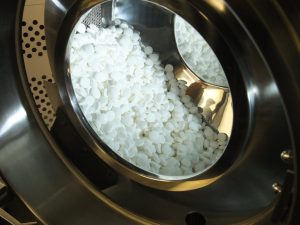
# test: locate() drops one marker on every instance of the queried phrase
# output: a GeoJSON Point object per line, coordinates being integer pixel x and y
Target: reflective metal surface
{"type": "Point", "coordinates": [214, 102]}
{"type": "Point", "coordinates": [254, 96]}
{"type": "Point", "coordinates": [2, 186]}
{"type": "Point", "coordinates": [35, 167]}
{"type": "Point", "coordinates": [287, 156]}
{"type": "Point", "coordinates": [3, 192]}
{"type": "Point", "coordinates": [275, 28]}
{"type": "Point", "coordinates": [11, 220]}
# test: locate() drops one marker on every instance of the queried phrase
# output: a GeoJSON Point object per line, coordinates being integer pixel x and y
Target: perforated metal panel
{"type": "Point", "coordinates": [94, 17]}
{"type": "Point", "coordinates": [36, 58]}
{"type": "Point", "coordinates": [33, 38]}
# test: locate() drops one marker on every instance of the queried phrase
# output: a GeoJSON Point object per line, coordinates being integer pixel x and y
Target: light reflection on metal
{"type": "Point", "coordinates": [253, 91]}
{"type": "Point", "coordinates": [2, 185]}
{"type": "Point", "coordinates": [219, 5]}
{"type": "Point", "coordinates": [204, 16]}
{"type": "Point", "coordinates": [271, 89]}
{"type": "Point", "coordinates": [277, 188]}
{"type": "Point", "coordinates": [3, 190]}
{"type": "Point", "coordinates": [287, 156]}
{"type": "Point", "coordinates": [59, 5]}
{"type": "Point", "coordinates": [215, 102]}
{"type": "Point", "coordinates": [11, 220]}
{"type": "Point", "coordinates": [13, 120]}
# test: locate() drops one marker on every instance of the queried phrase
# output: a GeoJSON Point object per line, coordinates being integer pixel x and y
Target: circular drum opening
{"type": "Point", "coordinates": [142, 97]}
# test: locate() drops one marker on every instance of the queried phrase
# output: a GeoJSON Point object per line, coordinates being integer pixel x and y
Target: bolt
{"type": "Point", "coordinates": [286, 156]}
{"type": "Point", "coordinates": [277, 188]}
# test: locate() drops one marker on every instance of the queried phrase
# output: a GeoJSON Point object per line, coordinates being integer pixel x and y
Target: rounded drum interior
{"type": "Point", "coordinates": [141, 89]}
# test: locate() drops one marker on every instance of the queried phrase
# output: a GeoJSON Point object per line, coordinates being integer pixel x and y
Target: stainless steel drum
{"type": "Point", "coordinates": [66, 175]}
{"type": "Point", "coordinates": [157, 30]}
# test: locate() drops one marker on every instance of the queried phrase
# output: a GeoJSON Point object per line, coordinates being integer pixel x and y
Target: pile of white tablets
{"type": "Point", "coordinates": [198, 54]}
{"type": "Point", "coordinates": [136, 105]}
